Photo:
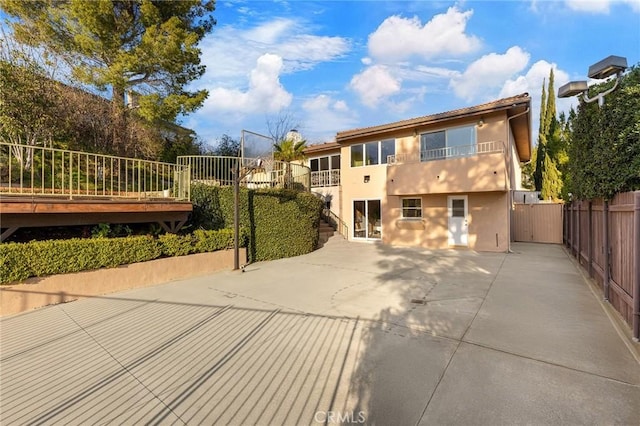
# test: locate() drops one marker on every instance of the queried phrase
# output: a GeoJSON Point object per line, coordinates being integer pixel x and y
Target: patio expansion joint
{"type": "Point", "coordinates": [554, 364]}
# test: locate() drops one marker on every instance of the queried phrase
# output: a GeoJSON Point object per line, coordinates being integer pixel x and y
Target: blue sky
{"type": "Point", "coordinates": [337, 65]}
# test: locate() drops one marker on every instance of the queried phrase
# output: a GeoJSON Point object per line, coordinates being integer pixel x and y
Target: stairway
{"type": "Point", "coordinates": [326, 231]}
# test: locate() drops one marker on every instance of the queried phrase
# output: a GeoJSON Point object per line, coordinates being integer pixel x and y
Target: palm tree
{"type": "Point", "coordinates": [288, 150]}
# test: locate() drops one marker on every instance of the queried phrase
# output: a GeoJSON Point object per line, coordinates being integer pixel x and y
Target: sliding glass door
{"type": "Point", "coordinates": [367, 222]}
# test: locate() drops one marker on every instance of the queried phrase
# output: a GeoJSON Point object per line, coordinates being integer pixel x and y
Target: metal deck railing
{"type": "Point", "coordinates": [219, 171]}
{"type": "Point", "coordinates": [42, 171]}
{"type": "Point", "coordinates": [448, 152]}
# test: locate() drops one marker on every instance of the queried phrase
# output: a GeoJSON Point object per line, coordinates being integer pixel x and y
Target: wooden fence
{"type": "Point", "coordinates": [605, 238]}
{"type": "Point", "coordinates": [538, 223]}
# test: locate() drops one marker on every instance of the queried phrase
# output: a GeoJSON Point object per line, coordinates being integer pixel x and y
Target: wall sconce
{"type": "Point", "coordinates": [367, 178]}
{"type": "Point", "coordinates": [481, 122]}
{"type": "Point", "coordinates": [415, 132]}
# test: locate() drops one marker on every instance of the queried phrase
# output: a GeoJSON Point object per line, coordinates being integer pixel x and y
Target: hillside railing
{"type": "Point", "coordinates": [219, 171]}
{"type": "Point", "coordinates": [42, 171]}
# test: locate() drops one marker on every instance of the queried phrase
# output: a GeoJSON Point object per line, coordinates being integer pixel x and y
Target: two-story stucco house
{"type": "Point", "coordinates": [438, 181]}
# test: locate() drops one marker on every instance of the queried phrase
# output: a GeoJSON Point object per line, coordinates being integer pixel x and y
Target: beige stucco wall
{"type": "Point", "coordinates": [487, 218]}
{"type": "Point", "coordinates": [483, 178]}
{"type": "Point", "coordinates": [355, 188]}
{"type": "Point", "coordinates": [333, 193]}
{"type": "Point", "coordinates": [484, 172]}
{"type": "Point", "coordinates": [37, 292]}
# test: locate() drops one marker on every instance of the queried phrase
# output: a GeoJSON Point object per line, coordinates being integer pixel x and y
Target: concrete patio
{"type": "Point", "coordinates": [334, 336]}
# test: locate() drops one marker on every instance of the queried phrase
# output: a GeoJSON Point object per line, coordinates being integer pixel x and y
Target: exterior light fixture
{"type": "Point", "coordinates": [611, 65]}
{"type": "Point", "coordinates": [608, 67]}
{"type": "Point", "coordinates": [481, 122]}
{"type": "Point", "coordinates": [572, 88]}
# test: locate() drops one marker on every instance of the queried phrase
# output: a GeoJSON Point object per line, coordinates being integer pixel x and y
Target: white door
{"type": "Point", "coordinates": [458, 224]}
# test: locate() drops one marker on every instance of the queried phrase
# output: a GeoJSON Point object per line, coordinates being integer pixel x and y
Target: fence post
{"type": "Point", "coordinates": [605, 237]}
{"type": "Point", "coordinates": [590, 239]}
{"type": "Point", "coordinates": [636, 267]}
{"type": "Point", "coordinates": [578, 255]}
{"type": "Point", "coordinates": [571, 228]}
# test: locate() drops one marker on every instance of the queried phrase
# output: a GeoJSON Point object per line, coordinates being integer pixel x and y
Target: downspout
{"type": "Point", "coordinates": [510, 172]}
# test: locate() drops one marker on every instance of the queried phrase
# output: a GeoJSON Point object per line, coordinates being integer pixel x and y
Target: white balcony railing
{"type": "Point", "coordinates": [325, 178]}
{"type": "Point", "coordinates": [448, 152]}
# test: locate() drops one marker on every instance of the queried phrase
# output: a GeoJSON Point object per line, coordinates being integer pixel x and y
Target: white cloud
{"type": "Point", "coordinates": [400, 38]}
{"type": "Point", "coordinates": [325, 116]}
{"type": "Point", "coordinates": [375, 84]}
{"type": "Point", "coordinates": [265, 92]}
{"type": "Point", "coordinates": [229, 52]}
{"type": "Point", "coordinates": [484, 76]}
{"type": "Point", "coordinates": [531, 82]}
{"type": "Point", "coordinates": [591, 6]}
{"type": "Point", "coordinates": [600, 6]}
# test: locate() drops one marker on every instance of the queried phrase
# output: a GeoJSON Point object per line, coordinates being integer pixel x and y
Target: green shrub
{"type": "Point", "coordinates": [277, 222]}
{"type": "Point", "coordinates": [176, 245]}
{"type": "Point", "coordinates": [19, 261]}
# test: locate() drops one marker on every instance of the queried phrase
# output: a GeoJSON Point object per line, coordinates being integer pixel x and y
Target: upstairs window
{"type": "Point", "coordinates": [454, 142]}
{"type": "Point", "coordinates": [320, 164]}
{"type": "Point", "coordinates": [372, 153]}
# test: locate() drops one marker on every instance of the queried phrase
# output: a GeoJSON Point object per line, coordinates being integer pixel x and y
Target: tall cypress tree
{"type": "Point", "coordinates": [537, 174]}
{"type": "Point", "coordinates": [547, 176]}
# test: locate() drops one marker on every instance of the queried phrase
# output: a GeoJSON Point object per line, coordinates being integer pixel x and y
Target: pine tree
{"type": "Point", "coordinates": [145, 46]}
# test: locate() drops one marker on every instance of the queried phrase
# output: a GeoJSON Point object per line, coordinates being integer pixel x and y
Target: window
{"type": "Point", "coordinates": [325, 171]}
{"type": "Point", "coordinates": [457, 208]}
{"type": "Point", "coordinates": [324, 163]}
{"type": "Point", "coordinates": [372, 153]}
{"type": "Point", "coordinates": [411, 208]}
{"type": "Point", "coordinates": [335, 162]}
{"type": "Point", "coordinates": [356, 155]}
{"type": "Point", "coordinates": [371, 149]}
{"type": "Point", "coordinates": [387, 148]}
{"type": "Point", "coordinates": [455, 142]}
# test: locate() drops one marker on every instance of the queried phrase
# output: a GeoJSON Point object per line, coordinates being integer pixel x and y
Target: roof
{"type": "Point", "coordinates": [321, 147]}
{"type": "Point", "coordinates": [514, 105]}
{"type": "Point", "coordinates": [498, 105]}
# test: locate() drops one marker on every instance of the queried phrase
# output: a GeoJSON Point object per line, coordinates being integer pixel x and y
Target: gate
{"type": "Point", "coordinates": [538, 223]}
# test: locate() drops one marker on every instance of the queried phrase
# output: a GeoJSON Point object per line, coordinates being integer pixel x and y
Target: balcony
{"type": "Point", "coordinates": [325, 178]}
{"type": "Point", "coordinates": [448, 152]}
{"type": "Point", "coordinates": [469, 168]}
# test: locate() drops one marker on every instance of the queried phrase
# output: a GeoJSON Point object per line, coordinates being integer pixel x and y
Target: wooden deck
{"type": "Point", "coordinates": [33, 211]}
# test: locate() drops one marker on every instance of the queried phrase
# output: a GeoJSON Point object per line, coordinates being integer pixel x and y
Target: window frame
{"type": "Point", "coordinates": [318, 161]}
{"type": "Point", "coordinates": [403, 209]}
{"type": "Point", "coordinates": [446, 140]}
{"type": "Point", "coordinates": [381, 161]}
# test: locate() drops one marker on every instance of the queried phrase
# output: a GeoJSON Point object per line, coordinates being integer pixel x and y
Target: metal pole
{"type": "Point", "coordinates": [236, 217]}
{"type": "Point", "coordinates": [605, 236]}
{"type": "Point", "coordinates": [636, 267]}
{"type": "Point", "coordinates": [590, 239]}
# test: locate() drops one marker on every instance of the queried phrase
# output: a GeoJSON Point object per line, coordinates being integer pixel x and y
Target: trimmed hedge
{"type": "Point", "coordinates": [19, 261]}
{"type": "Point", "coordinates": [278, 222]}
